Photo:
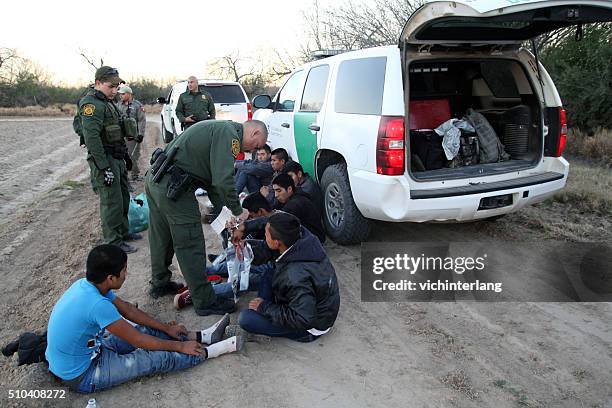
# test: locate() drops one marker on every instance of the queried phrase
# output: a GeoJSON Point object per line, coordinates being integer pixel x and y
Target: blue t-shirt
{"type": "Point", "coordinates": [78, 317]}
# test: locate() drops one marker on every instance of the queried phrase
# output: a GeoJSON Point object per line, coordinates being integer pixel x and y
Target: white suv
{"type": "Point", "coordinates": [362, 121]}
{"type": "Point", "coordinates": [231, 103]}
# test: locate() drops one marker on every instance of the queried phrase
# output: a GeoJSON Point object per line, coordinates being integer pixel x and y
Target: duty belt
{"type": "Point", "coordinates": [118, 151]}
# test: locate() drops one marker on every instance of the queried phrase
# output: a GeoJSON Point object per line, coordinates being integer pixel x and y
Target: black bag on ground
{"type": "Point", "coordinates": [30, 348]}
{"type": "Point", "coordinates": [427, 145]}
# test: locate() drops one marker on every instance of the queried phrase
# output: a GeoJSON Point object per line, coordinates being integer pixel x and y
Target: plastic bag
{"type": "Point", "coordinates": [239, 258]}
{"type": "Point", "coordinates": [452, 135]}
{"type": "Point", "coordinates": [138, 213]}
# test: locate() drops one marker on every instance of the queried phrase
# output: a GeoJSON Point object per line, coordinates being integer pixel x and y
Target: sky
{"type": "Point", "coordinates": [159, 40]}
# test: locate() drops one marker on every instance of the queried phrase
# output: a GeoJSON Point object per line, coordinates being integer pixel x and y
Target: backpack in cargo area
{"type": "Point", "coordinates": [427, 151]}
{"type": "Point", "coordinates": [491, 148]}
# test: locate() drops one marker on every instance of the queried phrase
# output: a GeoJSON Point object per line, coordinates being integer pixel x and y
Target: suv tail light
{"type": "Point", "coordinates": [562, 132]}
{"type": "Point", "coordinates": [390, 152]}
{"type": "Point", "coordinates": [249, 111]}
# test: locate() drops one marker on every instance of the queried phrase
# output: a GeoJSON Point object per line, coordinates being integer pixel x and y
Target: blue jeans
{"type": "Point", "coordinates": [256, 274]}
{"type": "Point", "coordinates": [119, 362]}
{"type": "Point", "coordinates": [255, 322]}
{"type": "Point", "coordinates": [249, 181]}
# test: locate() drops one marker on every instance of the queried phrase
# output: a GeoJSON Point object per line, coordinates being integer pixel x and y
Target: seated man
{"type": "Point", "coordinates": [304, 182]}
{"type": "Point", "coordinates": [300, 299]}
{"type": "Point", "coordinates": [253, 174]}
{"type": "Point", "coordinates": [91, 346]}
{"type": "Point", "coordinates": [294, 201]}
{"type": "Point", "coordinates": [258, 207]}
{"type": "Point", "coordinates": [279, 158]}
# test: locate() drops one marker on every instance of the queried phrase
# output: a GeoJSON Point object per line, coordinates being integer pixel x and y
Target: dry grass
{"type": "Point", "coordinates": [597, 147]}
{"type": "Point", "coordinates": [459, 381]}
{"type": "Point", "coordinates": [67, 109]}
{"type": "Point", "coordinates": [588, 189]}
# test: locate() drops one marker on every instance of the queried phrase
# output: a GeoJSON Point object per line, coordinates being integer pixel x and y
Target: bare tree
{"type": "Point", "coordinates": [90, 60]}
{"type": "Point", "coordinates": [9, 60]}
{"type": "Point", "coordinates": [232, 67]}
{"type": "Point", "coordinates": [351, 26]}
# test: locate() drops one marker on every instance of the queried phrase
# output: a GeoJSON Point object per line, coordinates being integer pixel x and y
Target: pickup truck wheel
{"type": "Point", "coordinates": [343, 221]}
{"type": "Point", "coordinates": [168, 136]}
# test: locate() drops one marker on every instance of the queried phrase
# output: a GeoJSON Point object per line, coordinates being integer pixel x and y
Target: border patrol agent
{"type": "Point", "coordinates": [194, 106]}
{"type": "Point", "coordinates": [202, 157]}
{"type": "Point", "coordinates": [103, 134]}
{"type": "Point", "coordinates": [133, 108]}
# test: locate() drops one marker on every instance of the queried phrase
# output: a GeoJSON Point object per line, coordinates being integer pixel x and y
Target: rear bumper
{"type": "Point", "coordinates": [391, 199]}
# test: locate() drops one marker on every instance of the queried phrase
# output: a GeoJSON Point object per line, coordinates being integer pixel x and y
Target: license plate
{"type": "Point", "coordinates": [489, 203]}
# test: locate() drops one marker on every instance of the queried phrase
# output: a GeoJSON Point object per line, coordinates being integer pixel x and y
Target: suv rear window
{"type": "Point", "coordinates": [360, 86]}
{"type": "Point", "coordinates": [224, 93]}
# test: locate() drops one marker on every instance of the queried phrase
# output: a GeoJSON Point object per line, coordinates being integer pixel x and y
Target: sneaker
{"type": "Point", "coordinates": [201, 192]}
{"type": "Point", "coordinates": [215, 279]}
{"type": "Point", "coordinates": [127, 248]}
{"type": "Point", "coordinates": [132, 236]}
{"type": "Point", "coordinates": [221, 306]}
{"type": "Point", "coordinates": [212, 257]}
{"type": "Point", "coordinates": [220, 327]}
{"type": "Point", "coordinates": [182, 300]}
{"type": "Point", "coordinates": [170, 288]}
{"type": "Point", "coordinates": [235, 330]}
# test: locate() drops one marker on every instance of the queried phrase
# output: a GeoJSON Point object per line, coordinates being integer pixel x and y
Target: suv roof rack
{"type": "Point", "coordinates": [320, 54]}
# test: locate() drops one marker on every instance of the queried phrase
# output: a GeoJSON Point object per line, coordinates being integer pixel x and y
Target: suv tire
{"type": "Point", "coordinates": [167, 136]}
{"type": "Point", "coordinates": [343, 221]}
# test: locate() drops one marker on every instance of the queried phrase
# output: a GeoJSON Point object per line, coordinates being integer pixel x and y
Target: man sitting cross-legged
{"type": "Point", "coordinates": [253, 174]}
{"type": "Point", "coordinates": [91, 346]}
{"type": "Point", "coordinates": [258, 208]}
{"type": "Point", "coordinates": [305, 183]}
{"type": "Point", "coordinates": [295, 201]}
{"type": "Point", "coordinates": [300, 299]}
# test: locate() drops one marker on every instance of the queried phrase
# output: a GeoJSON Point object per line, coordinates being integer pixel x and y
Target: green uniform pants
{"type": "Point", "coordinates": [134, 151]}
{"type": "Point", "coordinates": [114, 200]}
{"type": "Point", "coordinates": [176, 227]}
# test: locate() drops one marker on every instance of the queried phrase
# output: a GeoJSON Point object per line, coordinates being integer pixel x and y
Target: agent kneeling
{"type": "Point", "coordinates": [90, 345]}
{"type": "Point", "coordinates": [300, 299]}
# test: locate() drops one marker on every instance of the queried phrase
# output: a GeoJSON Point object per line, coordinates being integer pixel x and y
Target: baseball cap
{"type": "Point", "coordinates": [125, 89]}
{"type": "Point", "coordinates": [109, 74]}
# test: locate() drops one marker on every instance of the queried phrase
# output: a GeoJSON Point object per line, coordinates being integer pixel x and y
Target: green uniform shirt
{"type": "Point", "coordinates": [207, 152]}
{"type": "Point", "coordinates": [100, 122]}
{"type": "Point", "coordinates": [198, 104]}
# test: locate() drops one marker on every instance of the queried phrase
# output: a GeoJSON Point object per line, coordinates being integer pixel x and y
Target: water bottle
{"type": "Point", "coordinates": [92, 403]}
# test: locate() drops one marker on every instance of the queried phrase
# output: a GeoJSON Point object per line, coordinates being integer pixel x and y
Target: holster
{"type": "Point", "coordinates": [161, 163]}
{"type": "Point", "coordinates": [118, 151]}
{"type": "Point", "coordinates": [180, 181]}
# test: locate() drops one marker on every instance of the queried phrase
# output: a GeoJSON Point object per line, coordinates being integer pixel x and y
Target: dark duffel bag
{"type": "Point", "coordinates": [427, 145]}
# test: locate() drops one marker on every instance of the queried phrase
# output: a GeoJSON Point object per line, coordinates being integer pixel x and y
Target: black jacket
{"type": "Point", "coordinates": [305, 288]}
{"type": "Point", "coordinates": [310, 187]}
{"type": "Point", "coordinates": [302, 206]}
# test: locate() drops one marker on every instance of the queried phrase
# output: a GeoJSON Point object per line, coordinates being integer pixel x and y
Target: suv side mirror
{"type": "Point", "coordinates": [262, 101]}
{"type": "Point", "coordinates": [161, 100]}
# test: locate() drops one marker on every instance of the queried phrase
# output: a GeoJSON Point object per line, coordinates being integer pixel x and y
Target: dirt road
{"type": "Point", "coordinates": [379, 354]}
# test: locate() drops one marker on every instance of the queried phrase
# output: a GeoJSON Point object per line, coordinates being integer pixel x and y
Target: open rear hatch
{"type": "Point", "coordinates": [497, 21]}
{"type": "Point", "coordinates": [493, 94]}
